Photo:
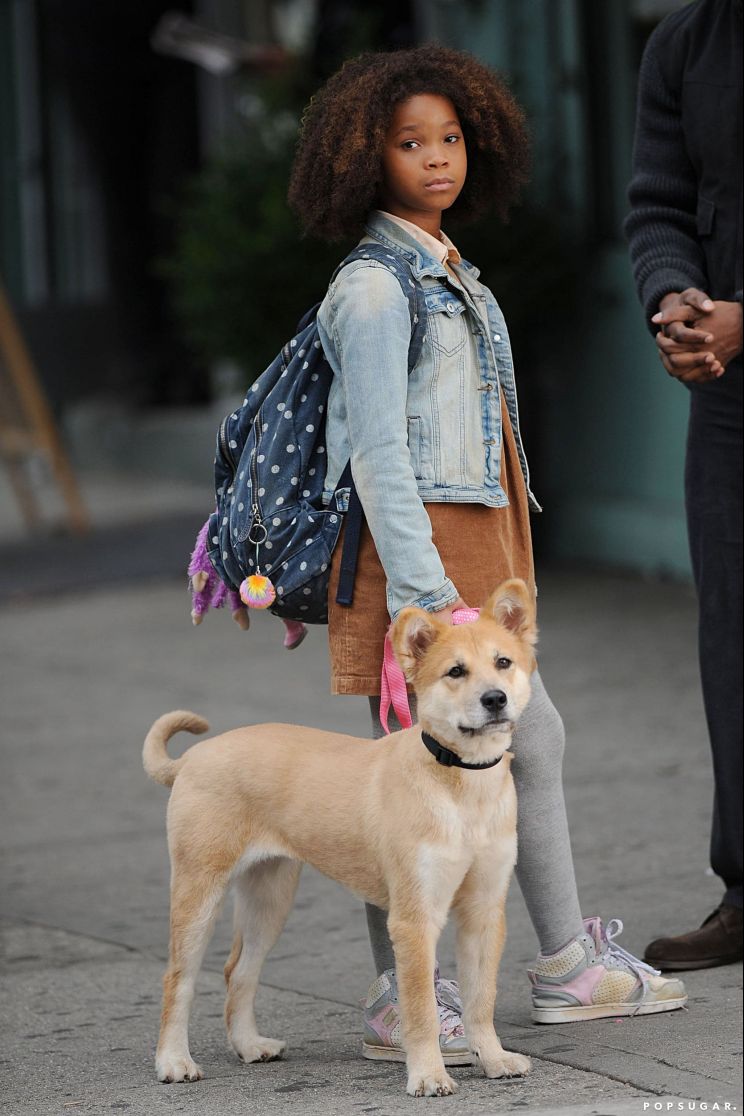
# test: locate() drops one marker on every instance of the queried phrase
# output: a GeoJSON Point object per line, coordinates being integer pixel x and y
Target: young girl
{"type": "Point", "coordinates": [389, 144]}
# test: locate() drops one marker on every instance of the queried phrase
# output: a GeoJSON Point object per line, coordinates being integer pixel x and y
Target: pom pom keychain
{"type": "Point", "coordinates": [256, 590]}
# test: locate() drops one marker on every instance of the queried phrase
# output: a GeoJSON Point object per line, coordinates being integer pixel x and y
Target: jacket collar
{"type": "Point", "coordinates": [387, 232]}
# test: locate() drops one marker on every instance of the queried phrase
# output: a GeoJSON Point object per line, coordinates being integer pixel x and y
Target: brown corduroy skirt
{"type": "Point", "coordinates": [479, 547]}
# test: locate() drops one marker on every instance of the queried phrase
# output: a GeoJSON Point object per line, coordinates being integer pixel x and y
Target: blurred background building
{"type": "Point", "coordinates": [153, 267]}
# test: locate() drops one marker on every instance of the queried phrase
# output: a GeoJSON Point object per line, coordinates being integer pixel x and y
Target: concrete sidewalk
{"type": "Point", "coordinates": [85, 874]}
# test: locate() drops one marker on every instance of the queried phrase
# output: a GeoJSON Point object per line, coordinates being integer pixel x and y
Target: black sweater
{"type": "Point", "coordinates": [686, 191]}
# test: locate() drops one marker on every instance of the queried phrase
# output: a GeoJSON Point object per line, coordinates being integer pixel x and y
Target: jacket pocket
{"type": "Point", "coordinates": [445, 322]}
{"type": "Point", "coordinates": [418, 448]}
{"type": "Point", "coordinates": [706, 215]}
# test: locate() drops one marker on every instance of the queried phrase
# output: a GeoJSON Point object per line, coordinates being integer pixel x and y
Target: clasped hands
{"type": "Point", "coordinates": [698, 336]}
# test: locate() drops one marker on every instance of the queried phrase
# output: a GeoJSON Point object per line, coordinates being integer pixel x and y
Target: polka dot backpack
{"type": "Point", "coordinates": [270, 527]}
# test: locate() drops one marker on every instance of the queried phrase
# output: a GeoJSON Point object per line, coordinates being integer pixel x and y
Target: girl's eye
{"type": "Point", "coordinates": [409, 145]}
{"type": "Point", "coordinates": [451, 138]}
{"type": "Point", "coordinates": [456, 671]}
{"type": "Point", "coordinates": [502, 663]}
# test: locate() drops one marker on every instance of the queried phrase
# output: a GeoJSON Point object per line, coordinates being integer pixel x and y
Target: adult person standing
{"type": "Point", "coordinates": [685, 241]}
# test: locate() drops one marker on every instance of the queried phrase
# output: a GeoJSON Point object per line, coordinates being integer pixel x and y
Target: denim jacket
{"type": "Point", "coordinates": [433, 436]}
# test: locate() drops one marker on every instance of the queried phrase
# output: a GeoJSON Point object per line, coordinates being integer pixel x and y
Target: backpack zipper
{"type": "Point", "coordinates": [254, 470]}
{"type": "Point", "coordinates": [256, 517]}
{"type": "Point", "coordinates": [223, 443]}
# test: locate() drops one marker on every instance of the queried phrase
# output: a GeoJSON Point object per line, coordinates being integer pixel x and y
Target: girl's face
{"type": "Point", "coordinates": [424, 160]}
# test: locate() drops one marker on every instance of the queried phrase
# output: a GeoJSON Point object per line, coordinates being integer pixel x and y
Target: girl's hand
{"type": "Point", "coordinates": [445, 614]}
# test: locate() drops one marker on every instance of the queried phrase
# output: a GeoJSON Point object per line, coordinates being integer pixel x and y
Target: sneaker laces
{"type": "Point", "coordinates": [450, 1023]}
{"type": "Point", "coordinates": [612, 930]}
{"type": "Point", "coordinates": [449, 1006]}
{"type": "Point", "coordinates": [448, 992]}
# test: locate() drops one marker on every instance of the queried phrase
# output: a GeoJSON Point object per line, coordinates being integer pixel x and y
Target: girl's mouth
{"type": "Point", "coordinates": [438, 184]}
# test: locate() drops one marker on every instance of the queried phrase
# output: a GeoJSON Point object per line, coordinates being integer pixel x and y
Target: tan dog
{"type": "Point", "coordinates": [385, 818]}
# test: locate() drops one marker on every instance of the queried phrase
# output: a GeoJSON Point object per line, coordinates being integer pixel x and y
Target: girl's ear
{"type": "Point", "coordinates": [412, 635]}
{"type": "Point", "coordinates": [512, 606]}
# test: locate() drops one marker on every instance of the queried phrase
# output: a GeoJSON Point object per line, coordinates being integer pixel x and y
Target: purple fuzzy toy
{"type": "Point", "coordinates": [207, 590]}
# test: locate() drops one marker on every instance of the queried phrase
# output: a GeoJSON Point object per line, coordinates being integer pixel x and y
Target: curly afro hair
{"type": "Point", "coordinates": [338, 164]}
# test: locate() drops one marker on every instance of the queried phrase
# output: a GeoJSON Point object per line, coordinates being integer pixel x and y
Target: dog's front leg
{"type": "Point", "coordinates": [414, 939]}
{"type": "Point", "coordinates": [481, 933]}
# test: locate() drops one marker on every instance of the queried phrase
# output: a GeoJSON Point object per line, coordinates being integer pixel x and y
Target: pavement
{"type": "Point", "coordinates": [97, 642]}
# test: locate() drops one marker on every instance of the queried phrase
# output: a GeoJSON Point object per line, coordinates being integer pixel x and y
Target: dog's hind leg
{"type": "Point", "coordinates": [263, 897]}
{"type": "Point", "coordinates": [195, 904]}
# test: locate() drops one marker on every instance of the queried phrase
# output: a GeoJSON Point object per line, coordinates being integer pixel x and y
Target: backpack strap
{"type": "Point", "coordinates": [417, 309]}
{"type": "Point", "coordinates": [411, 288]}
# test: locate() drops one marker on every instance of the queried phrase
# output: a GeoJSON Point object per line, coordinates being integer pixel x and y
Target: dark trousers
{"type": "Point", "coordinates": [713, 496]}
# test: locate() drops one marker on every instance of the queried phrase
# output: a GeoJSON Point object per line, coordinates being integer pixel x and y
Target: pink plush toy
{"type": "Point", "coordinates": [208, 591]}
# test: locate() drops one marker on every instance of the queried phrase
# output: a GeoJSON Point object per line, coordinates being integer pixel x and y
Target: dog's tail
{"type": "Point", "coordinates": [154, 754]}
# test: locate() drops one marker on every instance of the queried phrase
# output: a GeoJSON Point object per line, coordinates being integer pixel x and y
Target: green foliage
{"type": "Point", "coordinates": [241, 275]}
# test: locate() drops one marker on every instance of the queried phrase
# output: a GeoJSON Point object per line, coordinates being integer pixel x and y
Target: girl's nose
{"type": "Point", "coordinates": [437, 159]}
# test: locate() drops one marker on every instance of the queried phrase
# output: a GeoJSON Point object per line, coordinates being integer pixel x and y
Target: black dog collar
{"type": "Point", "coordinates": [448, 758]}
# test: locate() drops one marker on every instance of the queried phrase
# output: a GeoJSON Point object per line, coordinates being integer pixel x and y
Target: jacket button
{"type": "Point", "coordinates": [497, 336]}
{"type": "Point", "coordinates": [451, 307]}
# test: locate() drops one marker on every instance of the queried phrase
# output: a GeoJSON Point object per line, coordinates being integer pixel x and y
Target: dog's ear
{"type": "Point", "coordinates": [412, 634]}
{"type": "Point", "coordinates": [512, 606]}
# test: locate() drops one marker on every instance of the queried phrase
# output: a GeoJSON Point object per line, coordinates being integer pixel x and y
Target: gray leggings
{"type": "Point", "coordinates": [544, 866]}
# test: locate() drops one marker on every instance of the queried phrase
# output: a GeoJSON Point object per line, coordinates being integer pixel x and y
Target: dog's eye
{"type": "Point", "coordinates": [456, 671]}
{"type": "Point", "coordinates": [502, 663]}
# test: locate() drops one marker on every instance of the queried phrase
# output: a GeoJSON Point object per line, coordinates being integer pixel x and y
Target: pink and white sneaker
{"type": "Point", "coordinates": [382, 1027]}
{"type": "Point", "coordinates": [593, 978]}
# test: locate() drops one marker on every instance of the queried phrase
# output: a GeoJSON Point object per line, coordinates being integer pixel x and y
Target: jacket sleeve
{"type": "Point", "coordinates": [662, 225]}
{"type": "Point", "coordinates": [370, 330]}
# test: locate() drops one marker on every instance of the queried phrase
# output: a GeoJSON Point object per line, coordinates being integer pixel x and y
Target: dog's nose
{"type": "Point", "coordinates": [494, 700]}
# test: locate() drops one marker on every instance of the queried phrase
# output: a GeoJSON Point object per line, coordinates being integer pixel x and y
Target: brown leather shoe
{"type": "Point", "coordinates": [717, 942]}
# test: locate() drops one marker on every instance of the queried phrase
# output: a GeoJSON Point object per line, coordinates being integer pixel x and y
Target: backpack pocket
{"type": "Point", "coordinates": [301, 571]}
{"type": "Point", "coordinates": [295, 554]}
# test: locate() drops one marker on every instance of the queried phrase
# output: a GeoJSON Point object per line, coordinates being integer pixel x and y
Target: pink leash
{"type": "Point", "coordinates": [393, 689]}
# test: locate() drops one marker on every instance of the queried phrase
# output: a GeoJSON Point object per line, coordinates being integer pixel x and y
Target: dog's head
{"type": "Point", "coordinates": [472, 681]}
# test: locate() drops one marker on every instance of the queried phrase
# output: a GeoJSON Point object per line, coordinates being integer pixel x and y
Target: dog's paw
{"type": "Point", "coordinates": [506, 1064]}
{"type": "Point", "coordinates": [259, 1049]}
{"type": "Point", "coordinates": [437, 1084]}
{"type": "Point", "coordinates": [170, 1069]}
